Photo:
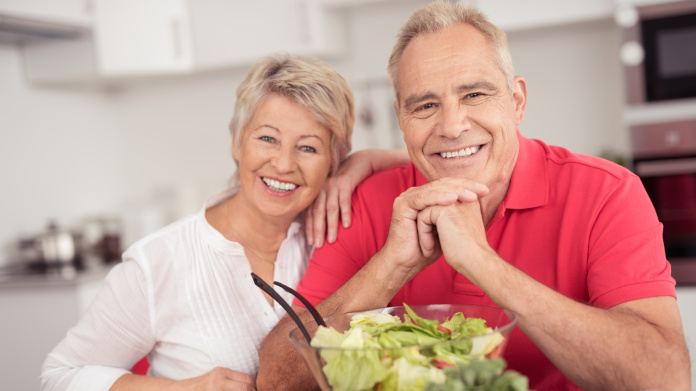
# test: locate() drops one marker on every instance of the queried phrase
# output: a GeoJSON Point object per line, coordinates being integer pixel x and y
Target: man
{"type": "Point", "coordinates": [570, 243]}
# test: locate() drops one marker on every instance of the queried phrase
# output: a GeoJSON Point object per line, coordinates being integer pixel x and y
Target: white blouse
{"type": "Point", "coordinates": [184, 296]}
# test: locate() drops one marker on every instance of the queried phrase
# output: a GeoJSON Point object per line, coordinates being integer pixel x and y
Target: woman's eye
{"type": "Point", "coordinates": [307, 148]}
{"type": "Point", "coordinates": [267, 139]}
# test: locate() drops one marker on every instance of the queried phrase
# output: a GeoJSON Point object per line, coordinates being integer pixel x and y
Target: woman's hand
{"type": "Point", "coordinates": [218, 379]}
{"type": "Point", "coordinates": [334, 198]}
{"type": "Point", "coordinates": [322, 216]}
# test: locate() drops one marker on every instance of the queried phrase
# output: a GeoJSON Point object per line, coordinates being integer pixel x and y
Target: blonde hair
{"type": "Point", "coordinates": [309, 82]}
{"type": "Point", "coordinates": [438, 16]}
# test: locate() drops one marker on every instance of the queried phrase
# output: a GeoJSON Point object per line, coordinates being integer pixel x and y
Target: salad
{"type": "Point", "coordinates": [382, 352]}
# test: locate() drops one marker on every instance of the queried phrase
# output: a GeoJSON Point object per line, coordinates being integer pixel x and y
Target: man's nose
{"type": "Point", "coordinates": [454, 120]}
{"type": "Point", "coordinates": [284, 160]}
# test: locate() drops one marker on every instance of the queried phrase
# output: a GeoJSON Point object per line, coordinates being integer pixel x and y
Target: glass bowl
{"type": "Point", "coordinates": [356, 368]}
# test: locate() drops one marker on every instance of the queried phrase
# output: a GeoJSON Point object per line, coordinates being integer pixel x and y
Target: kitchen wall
{"type": "Point", "coordinates": [60, 151]}
{"type": "Point", "coordinates": [151, 150]}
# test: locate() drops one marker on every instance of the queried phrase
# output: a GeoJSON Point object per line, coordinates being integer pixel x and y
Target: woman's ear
{"type": "Point", "coordinates": [235, 152]}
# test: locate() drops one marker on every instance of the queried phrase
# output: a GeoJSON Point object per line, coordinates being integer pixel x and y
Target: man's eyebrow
{"type": "Point", "coordinates": [414, 99]}
{"type": "Point", "coordinates": [479, 85]}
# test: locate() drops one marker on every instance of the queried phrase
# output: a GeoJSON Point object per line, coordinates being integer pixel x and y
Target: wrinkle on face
{"type": "Point", "coordinates": [454, 74]}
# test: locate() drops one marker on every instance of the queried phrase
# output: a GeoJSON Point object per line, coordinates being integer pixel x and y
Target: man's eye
{"type": "Point", "coordinates": [306, 148]}
{"type": "Point", "coordinates": [426, 106]}
{"type": "Point", "coordinates": [425, 110]}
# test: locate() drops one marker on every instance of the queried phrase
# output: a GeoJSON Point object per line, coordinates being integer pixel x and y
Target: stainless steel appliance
{"type": "Point", "coordinates": [659, 51]}
{"type": "Point", "coordinates": [664, 157]}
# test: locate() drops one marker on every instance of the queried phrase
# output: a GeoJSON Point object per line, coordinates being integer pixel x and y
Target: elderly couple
{"type": "Point", "coordinates": [480, 214]}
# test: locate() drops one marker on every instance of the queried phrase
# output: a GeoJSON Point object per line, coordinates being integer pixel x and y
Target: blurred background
{"type": "Point", "coordinates": [114, 120]}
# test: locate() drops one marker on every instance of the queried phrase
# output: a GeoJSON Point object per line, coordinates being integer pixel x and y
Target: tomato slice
{"type": "Point", "coordinates": [444, 329]}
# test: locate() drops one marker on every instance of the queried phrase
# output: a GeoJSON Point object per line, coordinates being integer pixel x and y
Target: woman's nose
{"type": "Point", "coordinates": [454, 120]}
{"type": "Point", "coordinates": [284, 160]}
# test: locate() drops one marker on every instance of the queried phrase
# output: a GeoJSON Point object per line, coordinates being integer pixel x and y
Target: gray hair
{"type": "Point", "coordinates": [309, 82]}
{"type": "Point", "coordinates": [438, 16]}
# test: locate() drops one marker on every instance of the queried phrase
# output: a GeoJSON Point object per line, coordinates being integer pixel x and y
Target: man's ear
{"type": "Point", "coordinates": [396, 110]}
{"type": "Point", "coordinates": [519, 96]}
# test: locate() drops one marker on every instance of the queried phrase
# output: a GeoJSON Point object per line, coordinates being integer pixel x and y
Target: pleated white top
{"type": "Point", "coordinates": [185, 297]}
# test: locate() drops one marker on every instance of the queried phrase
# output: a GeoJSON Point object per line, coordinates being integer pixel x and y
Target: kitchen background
{"type": "Point", "coordinates": [109, 126]}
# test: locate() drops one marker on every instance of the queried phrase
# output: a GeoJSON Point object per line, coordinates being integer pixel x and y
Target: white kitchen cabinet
{"type": "Point", "coordinates": [132, 37]}
{"type": "Point", "coordinates": [511, 15]}
{"type": "Point", "coordinates": [67, 12]}
{"type": "Point", "coordinates": [37, 312]}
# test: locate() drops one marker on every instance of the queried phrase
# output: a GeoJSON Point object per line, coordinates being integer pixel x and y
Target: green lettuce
{"type": "Point", "coordinates": [405, 365]}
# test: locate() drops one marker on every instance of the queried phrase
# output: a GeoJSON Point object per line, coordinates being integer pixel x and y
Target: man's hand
{"type": "Point", "coordinates": [412, 243]}
{"type": "Point", "coordinates": [459, 232]}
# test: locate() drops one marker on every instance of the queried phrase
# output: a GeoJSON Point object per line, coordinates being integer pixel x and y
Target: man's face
{"type": "Point", "coordinates": [457, 114]}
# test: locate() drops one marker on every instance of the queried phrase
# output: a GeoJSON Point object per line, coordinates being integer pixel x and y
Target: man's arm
{"type": "Point", "coordinates": [634, 345]}
{"type": "Point", "coordinates": [372, 286]}
{"type": "Point", "coordinates": [281, 367]}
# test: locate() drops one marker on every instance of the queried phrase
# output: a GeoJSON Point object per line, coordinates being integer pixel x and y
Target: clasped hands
{"type": "Point", "coordinates": [440, 217]}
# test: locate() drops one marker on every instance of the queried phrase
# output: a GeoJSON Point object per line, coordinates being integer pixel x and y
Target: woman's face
{"type": "Point", "coordinates": [284, 158]}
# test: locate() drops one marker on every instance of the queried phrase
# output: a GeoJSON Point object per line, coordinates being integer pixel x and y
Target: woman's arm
{"type": "Point", "coordinates": [323, 215]}
{"type": "Point", "coordinates": [219, 379]}
{"type": "Point", "coordinates": [111, 336]}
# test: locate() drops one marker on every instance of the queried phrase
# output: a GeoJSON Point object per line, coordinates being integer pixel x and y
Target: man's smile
{"type": "Point", "coordinates": [464, 152]}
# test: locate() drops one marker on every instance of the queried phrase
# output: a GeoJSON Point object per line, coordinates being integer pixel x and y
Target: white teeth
{"type": "Point", "coordinates": [279, 186]}
{"type": "Point", "coordinates": [462, 153]}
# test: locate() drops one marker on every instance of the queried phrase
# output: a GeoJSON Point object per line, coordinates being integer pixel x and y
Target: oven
{"type": "Point", "coordinates": [664, 157]}
{"type": "Point", "coordinates": [659, 52]}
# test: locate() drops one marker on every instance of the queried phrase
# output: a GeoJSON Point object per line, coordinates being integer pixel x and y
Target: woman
{"type": "Point", "coordinates": [183, 295]}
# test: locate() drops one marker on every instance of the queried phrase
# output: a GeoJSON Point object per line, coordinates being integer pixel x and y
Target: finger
{"type": "Point", "coordinates": [309, 225]}
{"type": "Point", "coordinates": [332, 210]}
{"type": "Point", "coordinates": [462, 185]}
{"type": "Point", "coordinates": [319, 212]}
{"type": "Point", "coordinates": [426, 233]}
{"type": "Point", "coordinates": [232, 385]}
{"type": "Point", "coordinates": [239, 381]}
{"type": "Point", "coordinates": [419, 200]}
{"type": "Point", "coordinates": [344, 203]}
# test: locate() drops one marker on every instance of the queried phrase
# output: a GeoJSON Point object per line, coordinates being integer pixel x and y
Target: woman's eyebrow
{"type": "Point", "coordinates": [312, 135]}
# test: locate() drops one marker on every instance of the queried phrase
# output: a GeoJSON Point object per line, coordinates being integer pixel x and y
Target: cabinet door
{"type": "Point", "coordinates": [512, 15]}
{"type": "Point", "coordinates": [236, 34]}
{"type": "Point", "coordinates": [69, 12]}
{"type": "Point", "coordinates": [134, 37]}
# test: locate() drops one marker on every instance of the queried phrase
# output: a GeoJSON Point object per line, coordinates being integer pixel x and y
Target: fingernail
{"type": "Point", "coordinates": [332, 238]}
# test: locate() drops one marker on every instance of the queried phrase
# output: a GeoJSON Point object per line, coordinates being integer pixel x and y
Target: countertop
{"type": "Point", "coordinates": [21, 275]}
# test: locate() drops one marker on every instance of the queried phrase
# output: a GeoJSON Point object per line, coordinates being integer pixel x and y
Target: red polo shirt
{"type": "Point", "coordinates": [579, 224]}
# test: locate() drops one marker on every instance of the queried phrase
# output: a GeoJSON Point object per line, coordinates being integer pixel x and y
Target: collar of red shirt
{"type": "Point", "coordinates": [528, 185]}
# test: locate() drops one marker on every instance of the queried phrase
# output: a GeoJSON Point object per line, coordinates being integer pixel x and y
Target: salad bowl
{"type": "Point", "coordinates": [401, 348]}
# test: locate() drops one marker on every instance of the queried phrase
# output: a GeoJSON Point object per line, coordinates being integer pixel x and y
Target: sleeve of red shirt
{"type": "Point", "coordinates": [334, 264]}
{"type": "Point", "coordinates": [627, 257]}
